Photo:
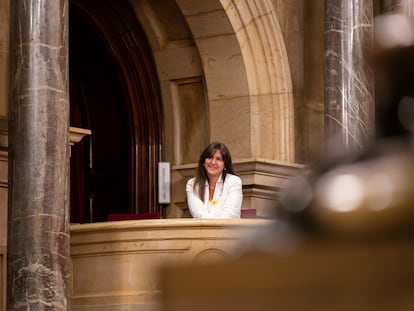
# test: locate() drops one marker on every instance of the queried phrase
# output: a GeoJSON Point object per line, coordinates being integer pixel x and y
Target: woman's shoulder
{"type": "Point", "coordinates": [231, 178]}
{"type": "Point", "coordinates": [190, 184]}
{"type": "Point", "coordinates": [191, 181]}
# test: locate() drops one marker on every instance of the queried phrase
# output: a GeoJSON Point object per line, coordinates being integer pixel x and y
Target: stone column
{"type": "Point", "coordinates": [398, 6]}
{"type": "Point", "coordinates": [349, 90]}
{"type": "Point", "coordinates": [38, 224]}
{"type": "Point", "coordinates": [389, 5]}
{"type": "Point", "coordinates": [406, 7]}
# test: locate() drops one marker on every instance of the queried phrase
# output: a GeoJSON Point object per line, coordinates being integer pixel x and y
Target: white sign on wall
{"type": "Point", "coordinates": [164, 182]}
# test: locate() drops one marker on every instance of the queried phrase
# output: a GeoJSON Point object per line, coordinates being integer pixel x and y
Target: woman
{"type": "Point", "coordinates": [216, 192]}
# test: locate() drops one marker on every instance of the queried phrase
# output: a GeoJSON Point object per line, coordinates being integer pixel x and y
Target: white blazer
{"type": "Point", "coordinates": [226, 203]}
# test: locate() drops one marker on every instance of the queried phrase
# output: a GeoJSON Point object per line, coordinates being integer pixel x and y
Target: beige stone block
{"type": "Point", "coordinates": [256, 126]}
{"type": "Point", "coordinates": [265, 57]}
{"type": "Point", "coordinates": [3, 172]}
{"type": "Point", "coordinates": [230, 123]}
{"type": "Point", "coordinates": [262, 45]}
{"type": "Point", "coordinates": [224, 67]}
{"type": "Point", "coordinates": [263, 115]}
{"type": "Point", "coordinates": [211, 24]}
{"type": "Point", "coordinates": [272, 127]}
{"type": "Point", "coordinates": [266, 173]}
{"type": "Point", "coordinates": [178, 62]}
{"type": "Point", "coordinates": [178, 208]}
{"type": "Point", "coordinates": [191, 119]}
{"type": "Point", "coordinates": [191, 7]}
{"type": "Point", "coordinates": [263, 180]}
{"type": "Point", "coordinates": [233, 12]}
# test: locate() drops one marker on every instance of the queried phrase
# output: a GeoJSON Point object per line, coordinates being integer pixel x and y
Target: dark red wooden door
{"type": "Point", "coordinates": [114, 92]}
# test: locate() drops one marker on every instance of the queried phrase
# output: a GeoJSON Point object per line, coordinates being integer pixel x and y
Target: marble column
{"type": "Point", "coordinates": [349, 82]}
{"type": "Point", "coordinates": [390, 5]}
{"type": "Point", "coordinates": [39, 269]}
{"type": "Point", "coordinates": [398, 6]}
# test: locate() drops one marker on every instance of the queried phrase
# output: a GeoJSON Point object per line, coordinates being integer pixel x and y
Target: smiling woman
{"type": "Point", "coordinates": [216, 192]}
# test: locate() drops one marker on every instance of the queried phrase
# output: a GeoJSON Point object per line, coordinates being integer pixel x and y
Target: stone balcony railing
{"type": "Point", "coordinates": [116, 264]}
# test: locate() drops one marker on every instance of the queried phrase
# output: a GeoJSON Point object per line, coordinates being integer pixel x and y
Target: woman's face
{"type": "Point", "coordinates": [215, 165]}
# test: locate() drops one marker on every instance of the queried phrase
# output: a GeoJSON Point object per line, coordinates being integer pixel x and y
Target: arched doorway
{"type": "Point", "coordinates": [114, 92]}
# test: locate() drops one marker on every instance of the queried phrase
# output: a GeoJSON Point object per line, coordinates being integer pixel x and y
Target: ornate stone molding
{"type": "Point", "coordinates": [76, 134]}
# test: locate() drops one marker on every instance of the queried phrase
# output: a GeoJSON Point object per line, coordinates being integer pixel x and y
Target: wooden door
{"type": "Point", "coordinates": [114, 92]}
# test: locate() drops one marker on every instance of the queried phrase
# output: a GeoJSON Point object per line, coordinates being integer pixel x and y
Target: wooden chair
{"type": "Point", "coordinates": [115, 217]}
{"type": "Point", "coordinates": [248, 213]}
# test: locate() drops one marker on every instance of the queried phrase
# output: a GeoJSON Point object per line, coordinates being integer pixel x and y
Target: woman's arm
{"type": "Point", "coordinates": [233, 198]}
{"type": "Point", "coordinates": [196, 206]}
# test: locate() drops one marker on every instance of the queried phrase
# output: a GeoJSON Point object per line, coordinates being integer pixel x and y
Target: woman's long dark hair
{"type": "Point", "coordinates": [202, 177]}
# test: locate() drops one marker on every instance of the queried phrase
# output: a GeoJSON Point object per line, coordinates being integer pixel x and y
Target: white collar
{"type": "Point", "coordinates": [219, 180]}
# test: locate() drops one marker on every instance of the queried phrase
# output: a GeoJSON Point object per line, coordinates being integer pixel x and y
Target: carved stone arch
{"type": "Point", "coordinates": [126, 43]}
{"type": "Point", "coordinates": [247, 75]}
{"type": "Point", "coordinates": [183, 92]}
{"type": "Point", "coordinates": [245, 69]}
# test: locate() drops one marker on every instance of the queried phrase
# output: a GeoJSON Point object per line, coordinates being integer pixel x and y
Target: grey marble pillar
{"type": "Point", "coordinates": [389, 5]}
{"type": "Point", "coordinates": [349, 82]}
{"type": "Point", "coordinates": [398, 6]}
{"type": "Point", "coordinates": [38, 224]}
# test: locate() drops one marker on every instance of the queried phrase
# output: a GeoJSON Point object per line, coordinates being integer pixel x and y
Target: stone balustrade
{"type": "Point", "coordinates": [116, 264]}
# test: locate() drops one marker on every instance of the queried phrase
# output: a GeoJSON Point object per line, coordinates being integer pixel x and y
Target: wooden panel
{"type": "Point", "coordinates": [3, 280]}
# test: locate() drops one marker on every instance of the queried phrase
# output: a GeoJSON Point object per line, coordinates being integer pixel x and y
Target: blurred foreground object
{"type": "Point", "coordinates": [369, 195]}
{"type": "Point", "coordinates": [349, 220]}
{"type": "Point", "coordinates": [368, 192]}
{"type": "Point", "coordinates": [320, 275]}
